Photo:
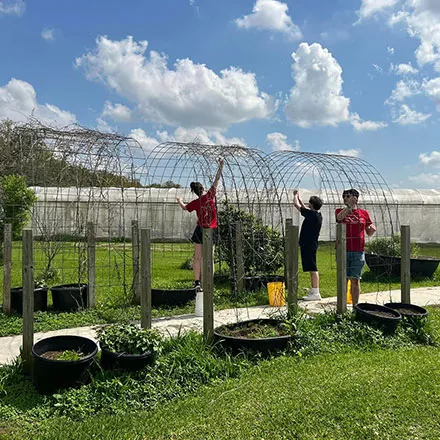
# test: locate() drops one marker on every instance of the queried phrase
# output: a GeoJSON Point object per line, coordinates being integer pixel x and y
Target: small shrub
{"type": "Point", "coordinates": [128, 338]}
{"type": "Point", "coordinates": [389, 246]}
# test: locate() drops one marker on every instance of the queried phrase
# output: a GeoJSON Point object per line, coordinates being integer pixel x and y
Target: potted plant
{"type": "Point", "coordinates": [62, 362]}
{"type": "Point", "coordinates": [176, 295]}
{"type": "Point", "coordinates": [380, 316]}
{"type": "Point", "coordinates": [263, 335]}
{"type": "Point", "coordinates": [263, 247]}
{"type": "Point", "coordinates": [128, 347]}
{"type": "Point", "coordinates": [383, 257]}
{"type": "Point", "coordinates": [69, 297]}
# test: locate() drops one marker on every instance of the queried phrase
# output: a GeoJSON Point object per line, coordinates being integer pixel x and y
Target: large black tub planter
{"type": "Point", "coordinates": [172, 297]}
{"type": "Point", "coordinates": [40, 299]}
{"type": "Point", "coordinates": [261, 335]}
{"type": "Point", "coordinates": [69, 297]}
{"type": "Point", "coordinates": [62, 362]}
{"type": "Point", "coordinates": [409, 311]}
{"type": "Point", "coordinates": [380, 316]}
{"type": "Point", "coordinates": [128, 347]}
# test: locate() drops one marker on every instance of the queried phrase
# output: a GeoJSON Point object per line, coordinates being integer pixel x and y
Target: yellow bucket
{"type": "Point", "coordinates": [349, 298]}
{"type": "Point", "coordinates": [276, 294]}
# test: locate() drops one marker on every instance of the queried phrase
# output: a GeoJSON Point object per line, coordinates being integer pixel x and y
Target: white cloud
{"type": "Point", "coordinates": [278, 142]}
{"type": "Point", "coordinates": [18, 101]}
{"type": "Point", "coordinates": [12, 7]}
{"type": "Point", "coordinates": [426, 178]}
{"type": "Point", "coordinates": [147, 143]}
{"type": "Point", "coordinates": [317, 95]}
{"type": "Point", "coordinates": [191, 95]}
{"type": "Point", "coordinates": [104, 126]}
{"type": "Point", "coordinates": [352, 152]}
{"type": "Point", "coordinates": [390, 50]}
{"type": "Point", "coordinates": [410, 117]}
{"type": "Point", "coordinates": [432, 89]}
{"type": "Point", "coordinates": [403, 69]}
{"type": "Point", "coordinates": [360, 125]}
{"type": "Point", "coordinates": [270, 15]}
{"type": "Point", "coordinates": [404, 89]}
{"type": "Point", "coordinates": [432, 159]}
{"type": "Point", "coordinates": [48, 34]}
{"type": "Point", "coordinates": [117, 112]}
{"type": "Point", "coordinates": [377, 68]}
{"type": "Point", "coordinates": [317, 98]}
{"type": "Point", "coordinates": [372, 7]}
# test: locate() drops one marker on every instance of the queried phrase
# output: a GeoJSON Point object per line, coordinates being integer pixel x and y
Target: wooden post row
{"type": "Point", "coordinates": [208, 285]}
{"type": "Point", "coordinates": [292, 268]}
{"type": "Point", "coordinates": [28, 299]}
{"type": "Point", "coordinates": [405, 264]}
{"type": "Point", "coordinates": [146, 300]}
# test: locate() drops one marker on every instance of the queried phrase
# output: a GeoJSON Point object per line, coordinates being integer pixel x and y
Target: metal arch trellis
{"type": "Point", "coordinates": [79, 176]}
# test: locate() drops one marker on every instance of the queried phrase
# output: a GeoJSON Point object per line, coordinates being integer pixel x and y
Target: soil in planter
{"type": "Point", "coordinates": [381, 314]}
{"type": "Point", "coordinates": [255, 330]}
{"type": "Point", "coordinates": [63, 355]}
{"type": "Point", "coordinates": [407, 312]}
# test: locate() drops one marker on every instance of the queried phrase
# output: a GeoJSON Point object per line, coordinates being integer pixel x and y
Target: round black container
{"type": "Point", "coordinates": [69, 297]}
{"type": "Point", "coordinates": [409, 310]}
{"type": "Point", "coordinates": [128, 362]}
{"type": "Point", "coordinates": [49, 375]}
{"type": "Point", "coordinates": [40, 299]}
{"type": "Point", "coordinates": [174, 297]}
{"type": "Point", "coordinates": [262, 345]}
{"type": "Point", "coordinates": [260, 281]}
{"type": "Point", "coordinates": [370, 313]}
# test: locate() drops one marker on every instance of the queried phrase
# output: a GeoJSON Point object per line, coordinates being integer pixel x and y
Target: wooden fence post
{"type": "Point", "coordinates": [405, 264]}
{"type": "Point", "coordinates": [146, 300]}
{"type": "Point", "coordinates": [91, 264]}
{"type": "Point", "coordinates": [341, 268]}
{"type": "Point", "coordinates": [292, 268]}
{"type": "Point", "coordinates": [135, 254]}
{"type": "Point", "coordinates": [7, 268]}
{"type": "Point", "coordinates": [28, 299]}
{"type": "Point", "coordinates": [239, 256]}
{"type": "Point", "coordinates": [289, 222]}
{"type": "Point", "coordinates": [208, 285]}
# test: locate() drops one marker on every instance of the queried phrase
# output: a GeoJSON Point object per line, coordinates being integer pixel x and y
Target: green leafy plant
{"type": "Point", "coordinates": [130, 339]}
{"type": "Point", "coordinates": [70, 355]}
{"type": "Point", "coordinates": [389, 246]}
{"type": "Point", "coordinates": [263, 247]}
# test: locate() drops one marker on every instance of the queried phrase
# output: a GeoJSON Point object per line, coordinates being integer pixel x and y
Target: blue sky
{"type": "Point", "coordinates": [358, 77]}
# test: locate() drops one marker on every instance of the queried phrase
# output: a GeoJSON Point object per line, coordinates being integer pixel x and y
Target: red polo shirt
{"type": "Point", "coordinates": [357, 221]}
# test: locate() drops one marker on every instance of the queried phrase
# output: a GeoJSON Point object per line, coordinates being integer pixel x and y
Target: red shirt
{"type": "Point", "coordinates": [357, 221]}
{"type": "Point", "coordinates": [205, 208]}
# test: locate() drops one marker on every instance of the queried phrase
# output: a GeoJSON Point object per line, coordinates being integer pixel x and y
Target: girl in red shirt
{"type": "Point", "coordinates": [206, 211]}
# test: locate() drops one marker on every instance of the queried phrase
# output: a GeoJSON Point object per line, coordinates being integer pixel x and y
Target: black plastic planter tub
{"type": "Point", "coordinates": [128, 362]}
{"type": "Point", "coordinates": [174, 297]}
{"type": "Point", "coordinates": [49, 375]}
{"type": "Point", "coordinates": [378, 315]}
{"type": "Point", "coordinates": [409, 310]}
{"type": "Point", "coordinates": [69, 297]}
{"type": "Point", "coordinates": [260, 281]}
{"type": "Point", "coordinates": [262, 345]}
{"type": "Point", "coordinates": [40, 299]}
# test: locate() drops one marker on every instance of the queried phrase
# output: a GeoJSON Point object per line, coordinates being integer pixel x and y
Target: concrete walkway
{"type": "Point", "coordinates": [10, 345]}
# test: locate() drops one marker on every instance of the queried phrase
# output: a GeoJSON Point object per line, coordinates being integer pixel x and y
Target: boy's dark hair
{"type": "Point", "coordinates": [316, 202]}
{"type": "Point", "coordinates": [351, 192]}
{"type": "Point", "coordinates": [196, 188]}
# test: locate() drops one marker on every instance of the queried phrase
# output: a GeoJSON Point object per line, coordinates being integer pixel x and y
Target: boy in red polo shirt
{"type": "Point", "coordinates": [358, 222]}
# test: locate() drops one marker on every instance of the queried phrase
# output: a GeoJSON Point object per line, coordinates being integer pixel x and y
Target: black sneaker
{"type": "Point", "coordinates": [197, 285]}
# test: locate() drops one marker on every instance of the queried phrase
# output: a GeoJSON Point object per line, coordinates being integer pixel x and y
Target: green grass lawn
{"type": "Point", "coordinates": [114, 278]}
{"type": "Point", "coordinates": [341, 380]}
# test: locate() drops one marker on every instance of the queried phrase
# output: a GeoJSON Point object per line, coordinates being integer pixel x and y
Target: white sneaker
{"type": "Point", "coordinates": [312, 297]}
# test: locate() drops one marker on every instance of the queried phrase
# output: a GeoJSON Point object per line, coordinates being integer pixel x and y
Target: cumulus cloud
{"type": "Point", "coordinates": [410, 117]}
{"type": "Point", "coordinates": [189, 95]}
{"type": "Point", "coordinates": [117, 112]}
{"type": "Point", "coordinates": [403, 69]}
{"type": "Point", "coordinates": [18, 101]}
{"type": "Point", "coordinates": [12, 7]}
{"type": "Point", "coordinates": [317, 98]}
{"type": "Point", "coordinates": [432, 89]}
{"type": "Point", "coordinates": [278, 142]}
{"type": "Point", "coordinates": [147, 143]}
{"type": "Point", "coordinates": [270, 15]}
{"type": "Point", "coordinates": [390, 50]}
{"type": "Point", "coordinates": [426, 179]}
{"type": "Point", "coordinates": [404, 89]}
{"type": "Point", "coordinates": [432, 159]}
{"type": "Point", "coordinates": [351, 152]}
{"type": "Point", "coordinates": [372, 7]}
{"type": "Point", "coordinates": [48, 34]}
